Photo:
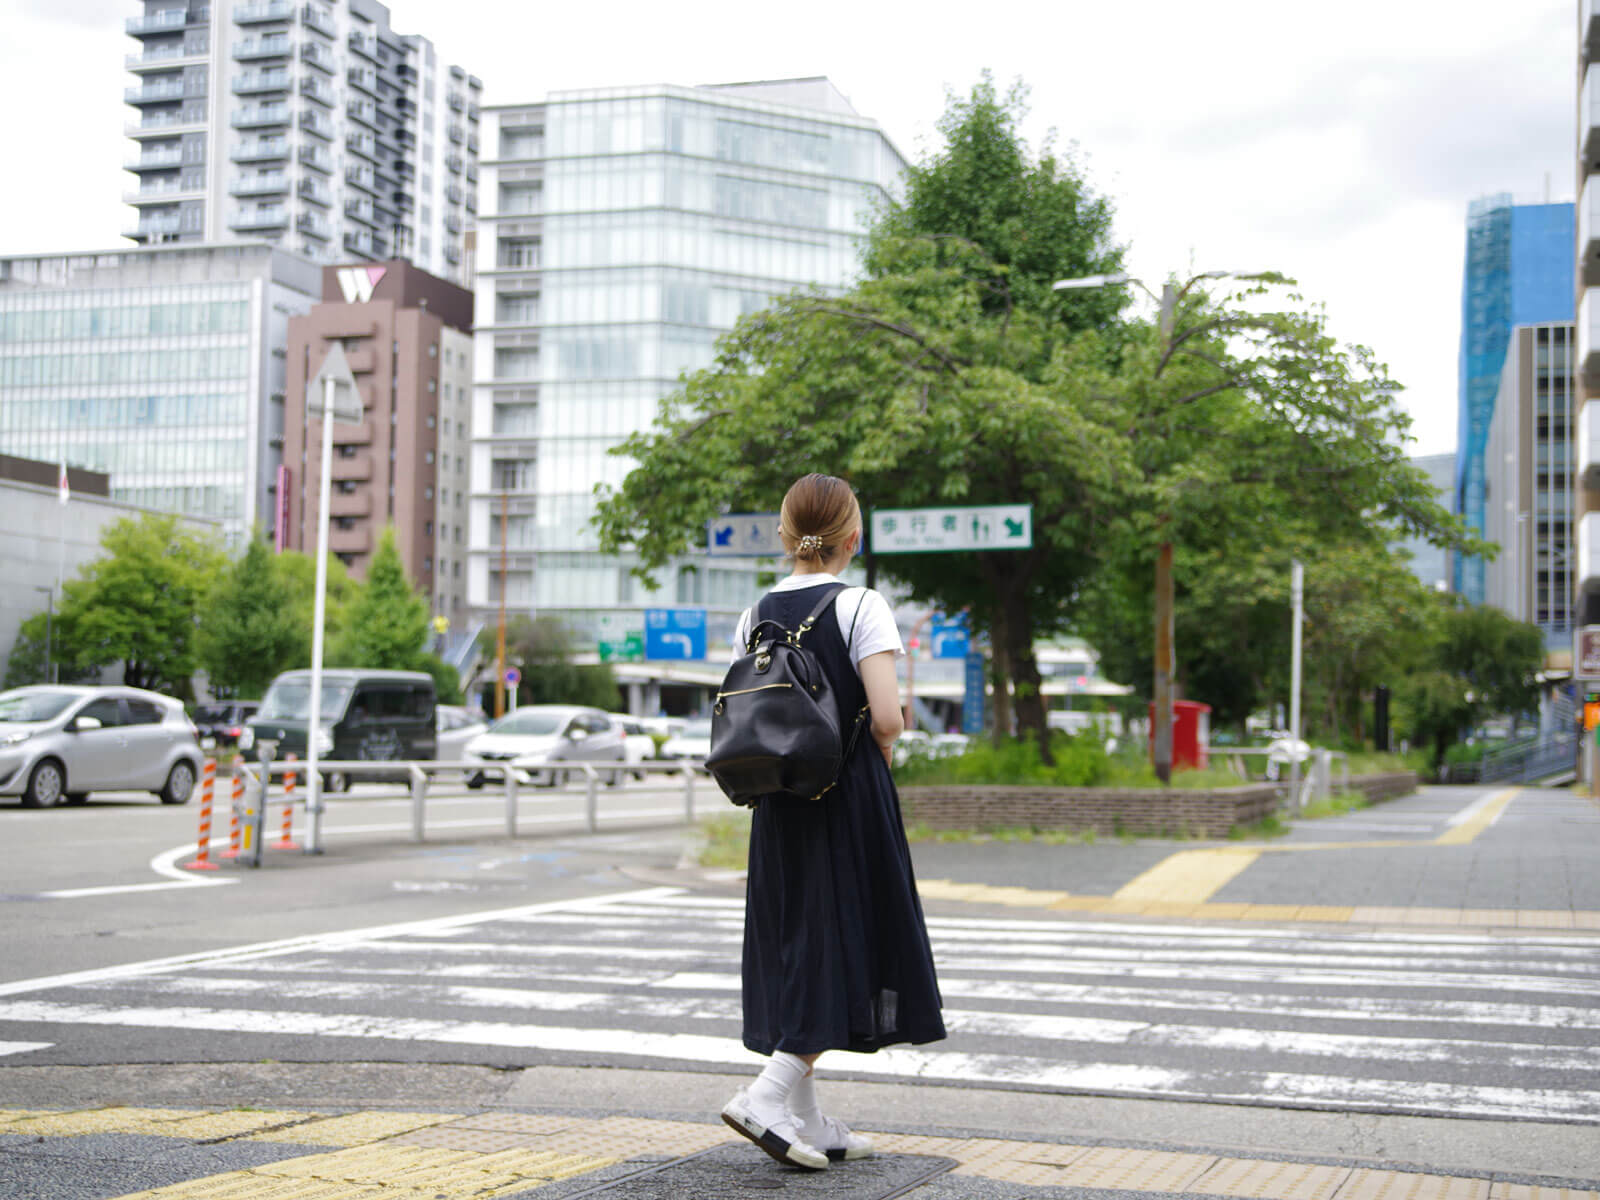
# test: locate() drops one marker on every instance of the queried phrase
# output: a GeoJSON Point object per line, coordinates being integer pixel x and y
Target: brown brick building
{"type": "Point", "coordinates": [407, 337]}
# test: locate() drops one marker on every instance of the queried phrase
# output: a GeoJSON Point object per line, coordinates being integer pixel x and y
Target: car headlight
{"type": "Point", "coordinates": [12, 739]}
{"type": "Point", "coordinates": [247, 738]}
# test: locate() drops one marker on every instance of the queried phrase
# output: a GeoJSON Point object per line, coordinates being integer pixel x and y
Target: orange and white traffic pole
{"type": "Point", "coordinates": [236, 826]}
{"type": "Point", "coordinates": [208, 781]}
{"type": "Point", "coordinates": [287, 842]}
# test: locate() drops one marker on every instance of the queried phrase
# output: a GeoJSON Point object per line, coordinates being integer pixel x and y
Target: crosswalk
{"type": "Point", "coordinates": [1439, 1023]}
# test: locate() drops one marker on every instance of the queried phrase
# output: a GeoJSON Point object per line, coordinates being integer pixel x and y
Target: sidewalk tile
{"type": "Point", "coordinates": [531, 1123]}
{"type": "Point", "coordinates": [1368, 915]}
{"type": "Point", "coordinates": [1505, 917]}
{"type": "Point", "coordinates": [1366, 1183]}
{"type": "Point", "coordinates": [1522, 1191]}
{"type": "Point", "coordinates": [204, 1126]}
{"type": "Point", "coordinates": [1433, 916]}
{"type": "Point", "coordinates": [1128, 1170]}
{"type": "Point", "coordinates": [116, 1119]}
{"type": "Point", "coordinates": [1480, 916]}
{"type": "Point", "coordinates": [1585, 920]}
{"type": "Point", "coordinates": [355, 1129]}
{"type": "Point", "coordinates": [1272, 912]}
{"type": "Point", "coordinates": [979, 1156]}
{"type": "Point", "coordinates": [1275, 1180]}
{"type": "Point", "coordinates": [1081, 904]}
{"type": "Point", "coordinates": [1217, 910]}
{"type": "Point", "coordinates": [1161, 909]}
{"type": "Point", "coordinates": [1544, 918]}
{"type": "Point", "coordinates": [916, 1143]}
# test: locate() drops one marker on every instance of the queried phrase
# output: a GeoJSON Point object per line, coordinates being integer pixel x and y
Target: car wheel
{"type": "Point", "coordinates": [45, 785]}
{"type": "Point", "coordinates": [474, 781]}
{"type": "Point", "coordinates": [335, 781]}
{"type": "Point", "coordinates": [615, 778]}
{"type": "Point", "coordinates": [77, 797]}
{"type": "Point", "coordinates": [180, 783]}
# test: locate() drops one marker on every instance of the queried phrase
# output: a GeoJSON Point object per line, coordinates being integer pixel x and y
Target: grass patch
{"type": "Point", "coordinates": [1268, 826]}
{"type": "Point", "coordinates": [1081, 760]}
{"type": "Point", "coordinates": [725, 840]}
{"type": "Point", "coordinates": [1335, 805]}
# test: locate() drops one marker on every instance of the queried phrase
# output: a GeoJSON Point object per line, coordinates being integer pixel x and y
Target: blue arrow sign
{"type": "Point", "coordinates": [949, 636]}
{"type": "Point", "coordinates": [675, 633]}
{"type": "Point", "coordinates": [744, 535]}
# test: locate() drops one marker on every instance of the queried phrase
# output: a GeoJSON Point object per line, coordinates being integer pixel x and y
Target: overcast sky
{"type": "Point", "coordinates": [1339, 144]}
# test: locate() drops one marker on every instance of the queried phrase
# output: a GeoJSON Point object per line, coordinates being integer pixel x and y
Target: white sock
{"type": "Point", "coordinates": [803, 1102]}
{"type": "Point", "coordinates": [772, 1087]}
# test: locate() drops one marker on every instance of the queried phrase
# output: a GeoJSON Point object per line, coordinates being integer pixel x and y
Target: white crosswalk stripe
{"type": "Point", "coordinates": [1448, 1023]}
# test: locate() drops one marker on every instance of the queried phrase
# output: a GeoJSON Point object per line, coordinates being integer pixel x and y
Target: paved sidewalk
{"type": "Point", "coordinates": [267, 1133]}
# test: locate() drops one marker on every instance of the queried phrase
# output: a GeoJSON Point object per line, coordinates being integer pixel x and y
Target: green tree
{"type": "Point", "coordinates": [386, 623]}
{"type": "Point", "coordinates": [139, 604]}
{"type": "Point", "coordinates": [299, 574]}
{"type": "Point", "coordinates": [27, 660]}
{"type": "Point", "coordinates": [543, 649]}
{"type": "Point", "coordinates": [250, 630]}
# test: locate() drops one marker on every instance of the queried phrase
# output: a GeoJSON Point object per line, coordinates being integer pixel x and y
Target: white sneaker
{"type": "Point", "coordinates": [835, 1139]}
{"type": "Point", "coordinates": [777, 1134]}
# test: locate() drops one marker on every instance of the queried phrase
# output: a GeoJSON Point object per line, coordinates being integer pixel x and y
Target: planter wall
{"type": "Point", "coordinates": [1174, 812]}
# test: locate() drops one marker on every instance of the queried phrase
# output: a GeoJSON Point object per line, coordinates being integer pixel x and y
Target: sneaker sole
{"type": "Point", "coordinates": [774, 1145]}
{"type": "Point", "coordinates": [840, 1154]}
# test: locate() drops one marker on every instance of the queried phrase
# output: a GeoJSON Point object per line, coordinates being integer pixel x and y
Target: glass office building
{"type": "Point", "coordinates": [163, 368]}
{"type": "Point", "coordinates": [624, 231]}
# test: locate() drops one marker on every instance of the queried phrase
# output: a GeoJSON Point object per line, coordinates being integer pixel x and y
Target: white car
{"type": "Point", "coordinates": [456, 727]}
{"type": "Point", "coordinates": [912, 743]}
{"type": "Point", "coordinates": [637, 744]}
{"type": "Point", "coordinates": [693, 741]}
{"type": "Point", "coordinates": [61, 743]}
{"type": "Point", "coordinates": [950, 745]}
{"type": "Point", "coordinates": [534, 740]}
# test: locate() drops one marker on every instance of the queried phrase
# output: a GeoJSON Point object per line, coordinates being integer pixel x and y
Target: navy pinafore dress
{"type": "Point", "coordinates": [836, 953]}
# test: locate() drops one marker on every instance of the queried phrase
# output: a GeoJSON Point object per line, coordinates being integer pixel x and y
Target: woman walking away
{"type": "Point", "coordinates": [836, 954]}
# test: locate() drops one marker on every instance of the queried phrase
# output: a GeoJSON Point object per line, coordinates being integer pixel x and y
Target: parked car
{"type": "Point", "coordinates": [637, 744]}
{"type": "Point", "coordinates": [535, 739]}
{"type": "Point", "coordinates": [457, 727]}
{"type": "Point", "coordinates": [912, 743]}
{"type": "Point", "coordinates": [61, 743]}
{"type": "Point", "coordinates": [221, 723]}
{"type": "Point", "coordinates": [367, 715]}
{"type": "Point", "coordinates": [693, 741]}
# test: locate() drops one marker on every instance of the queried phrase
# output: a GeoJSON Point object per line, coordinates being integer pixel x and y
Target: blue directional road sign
{"type": "Point", "coordinates": [972, 699]}
{"type": "Point", "coordinates": [675, 633]}
{"type": "Point", "coordinates": [744, 535]}
{"type": "Point", "coordinates": [949, 636]}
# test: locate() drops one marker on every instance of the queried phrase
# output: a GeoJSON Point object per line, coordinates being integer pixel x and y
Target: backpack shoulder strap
{"type": "Point", "coordinates": [822, 606]}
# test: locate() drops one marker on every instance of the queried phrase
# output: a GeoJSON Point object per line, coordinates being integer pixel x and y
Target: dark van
{"type": "Point", "coordinates": [367, 715]}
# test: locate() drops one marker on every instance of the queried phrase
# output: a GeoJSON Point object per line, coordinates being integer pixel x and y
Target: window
{"type": "Point", "coordinates": [103, 710]}
{"type": "Point", "coordinates": [518, 252]}
{"type": "Point", "coordinates": [142, 712]}
{"type": "Point", "coordinates": [433, 349]}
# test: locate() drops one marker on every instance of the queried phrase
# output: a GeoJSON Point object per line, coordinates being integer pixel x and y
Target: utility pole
{"type": "Point", "coordinates": [1297, 600]}
{"type": "Point", "coordinates": [500, 635]}
{"type": "Point", "coordinates": [1165, 651]}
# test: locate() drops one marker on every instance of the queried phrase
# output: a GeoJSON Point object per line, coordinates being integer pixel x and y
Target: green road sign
{"type": "Point", "coordinates": [927, 530]}
{"type": "Point", "coordinates": [628, 648]}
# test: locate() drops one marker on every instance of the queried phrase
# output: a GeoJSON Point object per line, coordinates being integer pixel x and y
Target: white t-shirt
{"type": "Point", "coordinates": [875, 630]}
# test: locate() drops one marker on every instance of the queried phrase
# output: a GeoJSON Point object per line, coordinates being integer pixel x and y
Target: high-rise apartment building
{"type": "Point", "coordinates": [1586, 255]}
{"type": "Point", "coordinates": [1528, 467]}
{"type": "Point", "coordinates": [308, 124]}
{"type": "Point", "coordinates": [1429, 563]}
{"type": "Point", "coordinates": [625, 230]}
{"type": "Point", "coordinates": [1518, 271]}
{"type": "Point", "coordinates": [407, 337]}
{"type": "Point", "coordinates": [162, 367]}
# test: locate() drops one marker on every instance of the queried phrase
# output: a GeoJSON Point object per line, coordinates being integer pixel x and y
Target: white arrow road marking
{"type": "Point", "coordinates": [23, 1047]}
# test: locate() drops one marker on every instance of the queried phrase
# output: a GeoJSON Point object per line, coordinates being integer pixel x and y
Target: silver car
{"type": "Point", "coordinates": [534, 739]}
{"type": "Point", "coordinates": [61, 743]}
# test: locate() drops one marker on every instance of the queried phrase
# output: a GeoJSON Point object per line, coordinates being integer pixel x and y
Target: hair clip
{"type": "Point", "coordinates": [809, 544]}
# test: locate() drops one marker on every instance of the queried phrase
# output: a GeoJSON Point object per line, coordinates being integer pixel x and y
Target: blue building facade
{"type": "Point", "coordinates": [1518, 271]}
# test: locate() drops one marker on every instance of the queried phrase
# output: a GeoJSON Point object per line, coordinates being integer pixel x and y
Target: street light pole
{"type": "Point", "coordinates": [1166, 663]}
{"type": "Point", "coordinates": [49, 630]}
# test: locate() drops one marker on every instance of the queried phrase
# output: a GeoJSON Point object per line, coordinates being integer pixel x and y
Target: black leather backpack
{"type": "Point", "coordinates": [775, 729]}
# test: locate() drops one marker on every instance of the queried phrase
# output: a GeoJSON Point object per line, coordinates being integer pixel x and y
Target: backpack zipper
{"type": "Point", "coordinates": [746, 691]}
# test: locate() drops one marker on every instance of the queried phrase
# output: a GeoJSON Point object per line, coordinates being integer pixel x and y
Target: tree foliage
{"type": "Point", "coordinates": [251, 630]}
{"type": "Point", "coordinates": [386, 623]}
{"type": "Point", "coordinates": [543, 649]}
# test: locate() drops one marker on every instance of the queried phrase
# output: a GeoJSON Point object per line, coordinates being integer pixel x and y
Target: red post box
{"type": "Point", "coordinates": [1191, 733]}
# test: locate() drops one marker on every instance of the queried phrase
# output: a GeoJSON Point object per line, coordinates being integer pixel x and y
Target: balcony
{"type": "Point", "coordinates": [164, 192]}
{"type": "Point", "coordinates": [163, 124]}
{"type": "Point", "coordinates": [452, 223]}
{"type": "Point", "coordinates": [163, 91]}
{"type": "Point", "coordinates": [1589, 232]}
{"type": "Point", "coordinates": [260, 14]}
{"type": "Point", "coordinates": [364, 45]}
{"type": "Point", "coordinates": [276, 45]}
{"type": "Point", "coordinates": [320, 90]}
{"type": "Point", "coordinates": [1589, 30]}
{"type": "Point", "coordinates": [364, 78]}
{"type": "Point", "coordinates": [318, 56]}
{"type": "Point", "coordinates": [314, 191]}
{"type": "Point", "coordinates": [313, 226]}
{"type": "Point", "coordinates": [358, 504]}
{"type": "Point", "coordinates": [254, 82]}
{"type": "Point", "coordinates": [348, 541]}
{"type": "Point", "coordinates": [454, 163]}
{"type": "Point", "coordinates": [456, 134]}
{"type": "Point", "coordinates": [362, 144]}
{"type": "Point", "coordinates": [453, 193]}
{"type": "Point", "coordinates": [259, 116]}
{"type": "Point", "coordinates": [165, 160]}
{"type": "Point", "coordinates": [154, 227]}
{"type": "Point", "coordinates": [364, 111]}
{"type": "Point", "coordinates": [1589, 118]}
{"type": "Point", "coordinates": [316, 17]}
{"type": "Point", "coordinates": [472, 143]}
{"type": "Point", "coordinates": [260, 150]}
{"type": "Point", "coordinates": [356, 466]}
{"type": "Point", "coordinates": [359, 208]}
{"type": "Point", "coordinates": [1588, 364]}
{"type": "Point", "coordinates": [161, 58]}
{"type": "Point", "coordinates": [360, 176]}
{"type": "Point", "coordinates": [166, 21]}
{"type": "Point", "coordinates": [316, 122]}
{"type": "Point", "coordinates": [359, 241]}
{"type": "Point", "coordinates": [260, 219]}
{"type": "Point", "coordinates": [271, 184]}
{"type": "Point", "coordinates": [1589, 552]}
{"type": "Point", "coordinates": [316, 158]}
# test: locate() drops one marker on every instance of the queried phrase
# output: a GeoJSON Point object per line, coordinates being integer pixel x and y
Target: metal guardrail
{"type": "Point", "coordinates": [420, 774]}
{"type": "Point", "coordinates": [1530, 762]}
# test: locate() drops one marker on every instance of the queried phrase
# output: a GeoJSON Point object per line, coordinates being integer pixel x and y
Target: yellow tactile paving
{"type": "Point", "coordinates": [1544, 918]}
{"type": "Point", "coordinates": [978, 1156]}
{"type": "Point", "coordinates": [202, 1127]}
{"type": "Point", "coordinates": [7, 1115]}
{"type": "Point", "coordinates": [1250, 1177]}
{"type": "Point", "coordinates": [1368, 1184]}
{"type": "Point", "coordinates": [515, 1122]}
{"type": "Point", "coordinates": [1467, 831]}
{"type": "Point", "coordinates": [353, 1129]}
{"type": "Point", "coordinates": [1132, 1170]}
{"type": "Point", "coordinates": [1330, 913]}
{"type": "Point", "coordinates": [1187, 877]}
{"type": "Point", "coordinates": [1272, 912]}
{"type": "Point", "coordinates": [431, 1171]}
{"type": "Point", "coordinates": [1523, 1191]}
{"type": "Point", "coordinates": [156, 1121]}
